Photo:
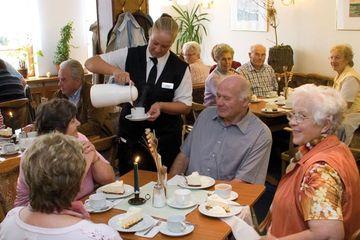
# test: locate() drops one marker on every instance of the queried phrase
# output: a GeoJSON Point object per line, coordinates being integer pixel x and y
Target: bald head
{"type": "Point", "coordinates": [257, 56]}
{"type": "Point", "coordinates": [236, 84]}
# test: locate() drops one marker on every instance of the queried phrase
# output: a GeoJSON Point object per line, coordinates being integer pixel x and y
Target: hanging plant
{"type": "Point", "coordinates": [191, 25]}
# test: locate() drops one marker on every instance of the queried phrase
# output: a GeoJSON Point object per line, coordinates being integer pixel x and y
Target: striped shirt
{"type": "Point", "coordinates": [262, 81]}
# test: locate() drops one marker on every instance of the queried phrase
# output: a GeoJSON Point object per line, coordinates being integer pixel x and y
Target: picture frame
{"type": "Point", "coordinates": [348, 15]}
{"type": "Point", "coordinates": [248, 15]}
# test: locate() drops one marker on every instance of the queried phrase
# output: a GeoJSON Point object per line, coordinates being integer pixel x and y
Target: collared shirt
{"type": "Point", "coordinates": [182, 94]}
{"type": "Point", "coordinates": [199, 71]}
{"type": "Point", "coordinates": [238, 151]}
{"type": "Point", "coordinates": [262, 81]}
{"type": "Point", "coordinates": [75, 98]}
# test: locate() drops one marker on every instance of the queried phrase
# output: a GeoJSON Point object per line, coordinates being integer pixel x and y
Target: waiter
{"type": "Point", "coordinates": [165, 90]}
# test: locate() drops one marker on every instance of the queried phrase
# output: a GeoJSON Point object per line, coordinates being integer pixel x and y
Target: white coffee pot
{"type": "Point", "coordinates": [106, 95]}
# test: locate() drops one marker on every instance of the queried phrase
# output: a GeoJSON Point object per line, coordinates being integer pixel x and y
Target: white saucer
{"type": "Point", "coordinates": [138, 119]}
{"type": "Point", "coordinates": [233, 195]}
{"type": "Point", "coordinates": [285, 107]}
{"type": "Point", "coordinates": [206, 182]}
{"type": "Point", "coordinates": [171, 202]}
{"type": "Point", "coordinates": [9, 153]}
{"type": "Point", "coordinates": [128, 191]}
{"type": "Point", "coordinates": [234, 210]}
{"type": "Point", "coordinates": [88, 208]}
{"type": "Point", "coordinates": [164, 230]}
{"type": "Point", "coordinates": [147, 222]}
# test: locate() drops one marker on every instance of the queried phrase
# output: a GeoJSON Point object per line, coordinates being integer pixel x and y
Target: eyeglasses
{"type": "Point", "coordinates": [299, 118]}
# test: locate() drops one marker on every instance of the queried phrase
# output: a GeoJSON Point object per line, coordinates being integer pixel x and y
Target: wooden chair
{"type": "Point", "coordinates": [196, 109]}
{"type": "Point", "coordinates": [107, 147]}
{"type": "Point", "coordinates": [9, 172]}
{"type": "Point", "coordinates": [19, 110]}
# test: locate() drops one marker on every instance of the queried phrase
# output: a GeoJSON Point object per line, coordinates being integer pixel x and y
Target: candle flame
{"type": "Point", "coordinates": [137, 159]}
{"type": "Point", "coordinates": [10, 114]}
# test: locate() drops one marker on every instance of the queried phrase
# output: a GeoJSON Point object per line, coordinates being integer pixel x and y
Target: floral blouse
{"type": "Point", "coordinates": [321, 193]}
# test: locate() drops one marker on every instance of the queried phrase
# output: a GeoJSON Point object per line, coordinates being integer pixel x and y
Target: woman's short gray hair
{"type": "Point", "coordinates": [192, 45]}
{"type": "Point", "coordinates": [346, 51]}
{"type": "Point", "coordinates": [76, 69]}
{"type": "Point", "coordinates": [324, 103]}
{"type": "Point", "coordinates": [219, 49]}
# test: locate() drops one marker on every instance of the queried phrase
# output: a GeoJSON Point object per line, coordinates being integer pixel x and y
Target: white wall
{"type": "Point", "coordinates": [53, 15]}
{"type": "Point", "coordinates": [309, 27]}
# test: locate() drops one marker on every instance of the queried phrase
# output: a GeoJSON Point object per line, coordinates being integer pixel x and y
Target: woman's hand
{"type": "Point", "coordinates": [88, 147]}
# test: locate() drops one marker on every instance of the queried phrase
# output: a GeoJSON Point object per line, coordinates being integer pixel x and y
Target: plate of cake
{"type": "Point", "coordinates": [215, 206]}
{"type": "Point", "coordinates": [196, 181]}
{"type": "Point", "coordinates": [6, 132]}
{"type": "Point", "coordinates": [116, 189]}
{"type": "Point", "coordinates": [132, 221]}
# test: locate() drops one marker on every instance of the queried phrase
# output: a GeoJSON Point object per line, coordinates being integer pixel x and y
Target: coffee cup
{"type": "Point", "coordinates": [106, 95]}
{"type": "Point", "coordinates": [9, 148]}
{"type": "Point", "coordinates": [281, 100]}
{"type": "Point", "coordinates": [97, 201]}
{"type": "Point", "coordinates": [182, 196]}
{"type": "Point", "coordinates": [176, 223]}
{"type": "Point", "coordinates": [138, 112]}
{"type": "Point", "coordinates": [223, 190]}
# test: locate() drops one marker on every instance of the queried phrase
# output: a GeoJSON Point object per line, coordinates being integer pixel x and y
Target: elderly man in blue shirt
{"type": "Point", "coordinates": [228, 141]}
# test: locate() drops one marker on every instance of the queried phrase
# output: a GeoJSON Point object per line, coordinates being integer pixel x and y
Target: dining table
{"type": "Point", "coordinates": [209, 228]}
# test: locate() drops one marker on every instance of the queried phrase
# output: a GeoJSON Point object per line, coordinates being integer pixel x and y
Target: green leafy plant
{"type": "Point", "coordinates": [191, 25]}
{"type": "Point", "coordinates": [63, 47]}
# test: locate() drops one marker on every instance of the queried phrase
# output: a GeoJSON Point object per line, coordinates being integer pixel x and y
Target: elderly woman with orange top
{"type": "Point", "coordinates": [317, 197]}
{"type": "Point", "coordinates": [223, 55]}
{"type": "Point", "coordinates": [347, 82]}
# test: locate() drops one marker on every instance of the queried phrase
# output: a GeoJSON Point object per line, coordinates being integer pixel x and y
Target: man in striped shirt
{"type": "Point", "coordinates": [261, 76]}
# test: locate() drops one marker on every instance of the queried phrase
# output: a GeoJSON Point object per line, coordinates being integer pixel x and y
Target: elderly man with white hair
{"type": "Point", "coordinates": [261, 76]}
{"type": "Point", "coordinates": [318, 196]}
{"type": "Point", "coordinates": [199, 71]}
{"type": "Point", "coordinates": [228, 141]}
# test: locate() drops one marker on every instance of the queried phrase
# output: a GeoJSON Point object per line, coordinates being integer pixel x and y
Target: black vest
{"type": "Point", "coordinates": [173, 72]}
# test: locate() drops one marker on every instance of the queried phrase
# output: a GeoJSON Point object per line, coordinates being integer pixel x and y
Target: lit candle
{"type": "Point", "coordinates": [11, 122]}
{"type": "Point", "coordinates": [136, 175]}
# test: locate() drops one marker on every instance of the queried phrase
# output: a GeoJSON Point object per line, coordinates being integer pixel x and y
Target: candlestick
{"type": "Point", "coordinates": [137, 200]}
{"type": "Point", "coordinates": [11, 121]}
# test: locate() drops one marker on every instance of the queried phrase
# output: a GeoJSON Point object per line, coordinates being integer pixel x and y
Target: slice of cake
{"type": "Point", "coordinates": [194, 180]}
{"type": "Point", "coordinates": [215, 200]}
{"type": "Point", "coordinates": [6, 132]}
{"type": "Point", "coordinates": [116, 187]}
{"type": "Point", "coordinates": [216, 210]}
{"type": "Point", "coordinates": [254, 98]}
{"type": "Point", "coordinates": [133, 216]}
{"type": "Point", "coordinates": [271, 107]}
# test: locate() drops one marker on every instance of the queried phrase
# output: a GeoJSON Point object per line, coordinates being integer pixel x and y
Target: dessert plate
{"type": "Point", "coordinates": [164, 230]}
{"type": "Point", "coordinates": [206, 182]}
{"type": "Point", "coordinates": [147, 222]}
{"type": "Point", "coordinates": [233, 211]}
{"type": "Point", "coordinates": [171, 202]}
{"type": "Point", "coordinates": [128, 191]}
{"type": "Point", "coordinates": [138, 119]}
{"type": "Point", "coordinates": [88, 207]}
{"type": "Point", "coordinates": [233, 195]}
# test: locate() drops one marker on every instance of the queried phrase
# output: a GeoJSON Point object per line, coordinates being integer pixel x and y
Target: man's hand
{"type": "Point", "coordinates": [154, 111]}
{"type": "Point", "coordinates": [121, 77]}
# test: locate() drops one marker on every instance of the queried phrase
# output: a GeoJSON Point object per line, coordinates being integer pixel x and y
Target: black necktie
{"type": "Point", "coordinates": [153, 72]}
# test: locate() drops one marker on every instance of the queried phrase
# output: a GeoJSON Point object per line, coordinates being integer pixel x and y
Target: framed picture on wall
{"type": "Point", "coordinates": [348, 15]}
{"type": "Point", "coordinates": [248, 15]}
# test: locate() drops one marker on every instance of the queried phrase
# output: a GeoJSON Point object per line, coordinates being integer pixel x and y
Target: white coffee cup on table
{"type": "Point", "coordinates": [182, 196]}
{"type": "Point", "coordinates": [223, 190]}
{"type": "Point", "coordinates": [97, 201]}
{"type": "Point", "coordinates": [176, 223]}
{"type": "Point", "coordinates": [138, 112]}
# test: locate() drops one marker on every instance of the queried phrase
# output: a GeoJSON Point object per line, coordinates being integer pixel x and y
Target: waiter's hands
{"type": "Point", "coordinates": [154, 111]}
{"type": "Point", "coordinates": [121, 77]}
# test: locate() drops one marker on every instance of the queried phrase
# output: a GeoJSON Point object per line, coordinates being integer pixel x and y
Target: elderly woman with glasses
{"type": "Point", "coordinates": [317, 197]}
{"type": "Point", "coordinates": [347, 82]}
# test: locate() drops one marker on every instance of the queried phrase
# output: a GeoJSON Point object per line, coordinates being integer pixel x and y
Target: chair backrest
{"type": "Point", "coordinates": [19, 111]}
{"type": "Point", "coordinates": [107, 147]}
{"type": "Point", "coordinates": [190, 119]}
{"type": "Point", "coordinates": [9, 172]}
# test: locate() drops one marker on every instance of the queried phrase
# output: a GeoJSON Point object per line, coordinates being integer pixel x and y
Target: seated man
{"type": "Point", "coordinates": [11, 87]}
{"type": "Point", "coordinates": [227, 141]}
{"type": "Point", "coordinates": [199, 71]}
{"type": "Point", "coordinates": [261, 76]}
{"type": "Point", "coordinates": [74, 88]}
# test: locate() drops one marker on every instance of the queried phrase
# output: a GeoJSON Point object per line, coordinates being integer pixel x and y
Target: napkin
{"type": "Point", "coordinates": [152, 233]}
{"type": "Point", "coordinates": [242, 229]}
{"type": "Point", "coordinates": [174, 181]}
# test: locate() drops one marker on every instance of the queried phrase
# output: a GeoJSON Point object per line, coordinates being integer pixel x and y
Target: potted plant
{"type": "Point", "coordinates": [191, 25]}
{"type": "Point", "coordinates": [63, 47]}
{"type": "Point", "coordinates": [280, 56]}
